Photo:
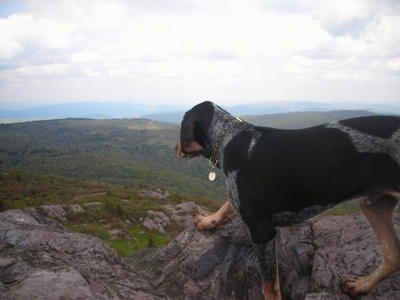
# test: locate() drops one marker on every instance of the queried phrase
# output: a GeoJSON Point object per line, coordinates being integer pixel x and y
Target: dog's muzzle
{"type": "Point", "coordinates": [178, 149]}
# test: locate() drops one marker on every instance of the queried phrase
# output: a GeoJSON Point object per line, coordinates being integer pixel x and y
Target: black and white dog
{"type": "Point", "coordinates": [282, 177]}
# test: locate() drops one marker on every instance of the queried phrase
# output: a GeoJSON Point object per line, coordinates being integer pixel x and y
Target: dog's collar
{"type": "Point", "coordinates": [214, 154]}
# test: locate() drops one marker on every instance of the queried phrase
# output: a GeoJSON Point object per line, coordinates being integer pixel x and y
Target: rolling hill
{"type": "Point", "coordinates": [128, 152]}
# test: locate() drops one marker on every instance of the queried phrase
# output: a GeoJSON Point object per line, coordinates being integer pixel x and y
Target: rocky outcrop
{"type": "Point", "coordinates": [40, 259]}
{"type": "Point", "coordinates": [182, 214]}
{"type": "Point", "coordinates": [157, 221]}
{"type": "Point", "coordinates": [315, 258]}
{"type": "Point", "coordinates": [54, 211]}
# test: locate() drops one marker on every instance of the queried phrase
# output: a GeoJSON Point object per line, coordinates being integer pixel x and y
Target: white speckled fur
{"type": "Point", "coordinates": [365, 143]}
{"type": "Point", "coordinates": [220, 118]}
{"type": "Point", "coordinates": [253, 142]}
{"type": "Point", "coordinates": [233, 190]}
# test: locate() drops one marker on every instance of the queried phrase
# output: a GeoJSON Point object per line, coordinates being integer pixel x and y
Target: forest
{"type": "Point", "coordinates": [129, 152]}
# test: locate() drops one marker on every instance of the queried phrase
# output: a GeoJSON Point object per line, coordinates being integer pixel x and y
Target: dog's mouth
{"type": "Point", "coordinates": [178, 149]}
{"type": "Point", "coordinates": [192, 149]}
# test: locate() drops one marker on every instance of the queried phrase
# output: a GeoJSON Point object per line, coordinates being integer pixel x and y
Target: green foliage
{"type": "Point", "coordinates": [130, 152]}
{"type": "Point", "coordinates": [114, 207]}
{"type": "Point", "coordinates": [345, 208]}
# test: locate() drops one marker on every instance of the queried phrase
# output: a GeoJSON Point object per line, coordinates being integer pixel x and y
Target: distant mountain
{"type": "Point", "coordinates": [276, 107]}
{"type": "Point", "coordinates": [170, 113]}
{"type": "Point", "coordinates": [276, 110]}
{"type": "Point", "coordinates": [171, 117]}
{"type": "Point", "coordinates": [305, 119]}
{"type": "Point", "coordinates": [106, 110]}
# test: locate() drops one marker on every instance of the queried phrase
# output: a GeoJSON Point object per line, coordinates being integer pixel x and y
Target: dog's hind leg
{"type": "Point", "coordinates": [264, 237]}
{"type": "Point", "coordinates": [379, 212]}
{"type": "Point", "coordinates": [268, 261]}
{"type": "Point", "coordinates": [210, 221]}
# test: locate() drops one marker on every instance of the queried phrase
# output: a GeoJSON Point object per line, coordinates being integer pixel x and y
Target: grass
{"type": "Point", "coordinates": [139, 240]}
{"type": "Point", "coordinates": [116, 219]}
{"type": "Point", "coordinates": [345, 208]}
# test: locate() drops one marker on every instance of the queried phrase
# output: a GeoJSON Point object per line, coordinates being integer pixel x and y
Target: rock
{"type": "Point", "coordinates": [183, 213]}
{"type": "Point", "coordinates": [75, 209]}
{"type": "Point", "coordinates": [203, 265]}
{"type": "Point", "coordinates": [185, 208]}
{"type": "Point", "coordinates": [149, 224]}
{"type": "Point", "coordinates": [54, 211]}
{"type": "Point", "coordinates": [315, 257]}
{"type": "Point", "coordinates": [40, 259]}
{"type": "Point", "coordinates": [158, 195]}
{"type": "Point", "coordinates": [157, 221]}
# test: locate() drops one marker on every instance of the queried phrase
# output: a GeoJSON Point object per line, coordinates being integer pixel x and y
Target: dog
{"type": "Point", "coordinates": [278, 177]}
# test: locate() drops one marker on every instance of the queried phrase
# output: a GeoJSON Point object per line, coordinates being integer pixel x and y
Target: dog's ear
{"type": "Point", "coordinates": [194, 130]}
{"type": "Point", "coordinates": [190, 136]}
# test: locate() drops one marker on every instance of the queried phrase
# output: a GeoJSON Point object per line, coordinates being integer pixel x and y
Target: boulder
{"type": "Point", "coordinates": [156, 221]}
{"type": "Point", "coordinates": [40, 259]}
{"type": "Point", "coordinates": [75, 209]}
{"type": "Point", "coordinates": [315, 257]}
{"type": "Point", "coordinates": [183, 213]}
{"type": "Point", "coordinates": [54, 211]}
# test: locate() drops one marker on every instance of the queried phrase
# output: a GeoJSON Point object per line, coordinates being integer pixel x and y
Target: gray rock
{"type": "Point", "coordinates": [40, 259]}
{"type": "Point", "coordinates": [75, 209]}
{"type": "Point", "coordinates": [203, 265]}
{"type": "Point", "coordinates": [315, 257]}
{"type": "Point", "coordinates": [150, 224]}
{"type": "Point", "coordinates": [183, 213]}
{"type": "Point", "coordinates": [157, 221]}
{"type": "Point", "coordinates": [54, 211]}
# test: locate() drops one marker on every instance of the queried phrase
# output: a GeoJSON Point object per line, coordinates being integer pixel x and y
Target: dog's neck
{"type": "Point", "coordinates": [227, 127]}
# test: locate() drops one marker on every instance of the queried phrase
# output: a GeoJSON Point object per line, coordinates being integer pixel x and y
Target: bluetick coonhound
{"type": "Point", "coordinates": [282, 177]}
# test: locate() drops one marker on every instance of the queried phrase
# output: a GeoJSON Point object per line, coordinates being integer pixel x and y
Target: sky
{"type": "Point", "coordinates": [186, 51]}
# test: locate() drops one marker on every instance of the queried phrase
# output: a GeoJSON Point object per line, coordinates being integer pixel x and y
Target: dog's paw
{"type": "Point", "coordinates": [205, 221]}
{"type": "Point", "coordinates": [355, 287]}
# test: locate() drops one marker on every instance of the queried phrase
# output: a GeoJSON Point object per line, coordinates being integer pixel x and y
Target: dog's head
{"type": "Point", "coordinates": [195, 126]}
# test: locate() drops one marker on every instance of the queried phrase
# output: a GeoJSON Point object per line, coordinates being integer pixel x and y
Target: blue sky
{"type": "Point", "coordinates": [186, 51]}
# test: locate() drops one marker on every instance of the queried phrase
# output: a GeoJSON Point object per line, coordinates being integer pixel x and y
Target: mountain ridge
{"type": "Point", "coordinates": [173, 113]}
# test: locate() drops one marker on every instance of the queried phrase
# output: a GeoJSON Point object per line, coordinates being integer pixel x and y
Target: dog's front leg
{"type": "Point", "coordinates": [268, 261]}
{"type": "Point", "coordinates": [210, 221]}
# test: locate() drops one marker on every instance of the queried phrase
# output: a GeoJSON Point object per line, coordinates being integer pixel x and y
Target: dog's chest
{"type": "Point", "coordinates": [232, 190]}
{"type": "Point", "coordinates": [238, 149]}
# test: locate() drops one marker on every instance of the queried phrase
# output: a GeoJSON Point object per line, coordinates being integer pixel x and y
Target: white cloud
{"type": "Point", "coordinates": [156, 46]}
{"type": "Point", "coordinates": [12, 29]}
{"type": "Point", "coordinates": [40, 71]}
